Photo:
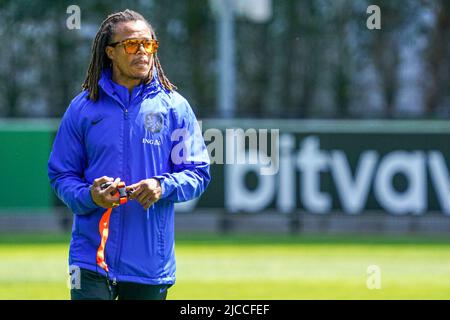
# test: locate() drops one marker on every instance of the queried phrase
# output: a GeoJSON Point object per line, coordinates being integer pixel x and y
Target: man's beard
{"type": "Point", "coordinates": [147, 77]}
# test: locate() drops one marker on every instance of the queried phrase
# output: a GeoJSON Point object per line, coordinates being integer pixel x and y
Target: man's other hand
{"type": "Point", "coordinates": [146, 192]}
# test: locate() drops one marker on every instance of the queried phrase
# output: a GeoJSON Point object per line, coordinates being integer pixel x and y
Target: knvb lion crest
{"type": "Point", "coordinates": [154, 122]}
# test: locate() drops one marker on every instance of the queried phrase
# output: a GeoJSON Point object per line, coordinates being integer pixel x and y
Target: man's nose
{"type": "Point", "coordinates": [141, 49]}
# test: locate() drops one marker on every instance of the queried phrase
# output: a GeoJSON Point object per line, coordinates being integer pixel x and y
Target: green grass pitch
{"type": "Point", "coordinates": [253, 267]}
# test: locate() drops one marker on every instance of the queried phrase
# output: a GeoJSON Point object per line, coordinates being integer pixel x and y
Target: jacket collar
{"type": "Point", "coordinates": [121, 93]}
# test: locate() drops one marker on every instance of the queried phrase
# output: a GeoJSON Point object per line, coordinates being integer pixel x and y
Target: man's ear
{"type": "Point", "coordinates": [110, 52]}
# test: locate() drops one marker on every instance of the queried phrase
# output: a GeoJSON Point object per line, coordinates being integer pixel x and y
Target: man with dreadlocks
{"type": "Point", "coordinates": [127, 125]}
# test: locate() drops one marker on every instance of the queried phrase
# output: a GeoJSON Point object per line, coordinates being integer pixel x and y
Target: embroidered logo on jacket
{"type": "Point", "coordinates": [153, 122]}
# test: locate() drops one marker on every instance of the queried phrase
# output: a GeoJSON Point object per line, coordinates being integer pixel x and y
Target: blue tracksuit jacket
{"type": "Point", "coordinates": [148, 133]}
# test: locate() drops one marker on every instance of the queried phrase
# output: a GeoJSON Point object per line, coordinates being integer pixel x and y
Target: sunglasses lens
{"type": "Point", "coordinates": [131, 47]}
{"type": "Point", "coordinates": [150, 46]}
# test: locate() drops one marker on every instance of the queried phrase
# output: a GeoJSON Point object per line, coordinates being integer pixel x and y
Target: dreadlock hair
{"type": "Point", "coordinates": [100, 60]}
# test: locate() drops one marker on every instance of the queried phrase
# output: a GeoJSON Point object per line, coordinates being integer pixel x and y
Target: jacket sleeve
{"type": "Point", "coordinates": [189, 157]}
{"type": "Point", "coordinates": [67, 163]}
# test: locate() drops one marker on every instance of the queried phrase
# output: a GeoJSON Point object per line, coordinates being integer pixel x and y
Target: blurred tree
{"type": "Point", "coordinates": [437, 57]}
{"type": "Point", "coordinates": [310, 59]}
{"type": "Point", "coordinates": [279, 61]}
{"type": "Point", "coordinates": [200, 52]}
{"type": "Point", "coordinates": [384, 49]}
{"type": "Point", "coordinates": [341, 68]}
{"type": "Point", "coordinates": [10, 59]}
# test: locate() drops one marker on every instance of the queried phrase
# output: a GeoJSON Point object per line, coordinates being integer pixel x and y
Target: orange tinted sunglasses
{"type": "Point", "coordinates": [131, 46]}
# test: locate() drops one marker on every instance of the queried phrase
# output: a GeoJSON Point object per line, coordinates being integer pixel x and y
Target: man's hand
{"type": "Point", "coordinates": [105, 198]}
{"type": "Point", "coordinates": [146, 192]}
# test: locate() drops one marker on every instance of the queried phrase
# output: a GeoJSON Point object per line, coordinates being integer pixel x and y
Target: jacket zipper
{"type": "Point", "coordinates": [125, 137]}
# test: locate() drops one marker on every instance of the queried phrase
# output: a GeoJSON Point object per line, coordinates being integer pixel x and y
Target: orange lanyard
{"type": "Point", "coordinates": [103, 226]}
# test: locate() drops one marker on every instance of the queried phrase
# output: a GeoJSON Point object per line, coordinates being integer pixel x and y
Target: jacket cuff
{"type": "Point", "coordinates": [163, 184]}
{"type": "Point", "coordinates": [86, 198]}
